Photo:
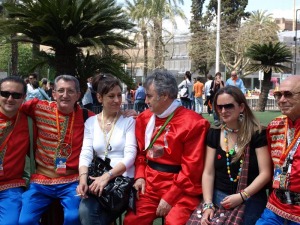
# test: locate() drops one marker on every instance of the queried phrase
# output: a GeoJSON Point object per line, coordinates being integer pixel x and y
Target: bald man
{"type": "Point", "coordinates": [234, 80]}
{"type": "Point", "coordinates": [283, 133]}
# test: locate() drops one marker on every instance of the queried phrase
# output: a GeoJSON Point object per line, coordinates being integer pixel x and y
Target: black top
{"type": "Point", "coordinates": [222, 181]}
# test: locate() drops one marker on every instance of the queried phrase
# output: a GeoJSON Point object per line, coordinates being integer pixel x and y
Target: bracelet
{"type": "Point", "coordinates": [242, 196]}
{"type": "Point", "coordinates": [82, 174]}
{"type": "Point", "coordinates": [246, 194]}
{"type": "Point", "coordinates": [208, 206]}
{"type": "Point", "coordinates": [110, 173]}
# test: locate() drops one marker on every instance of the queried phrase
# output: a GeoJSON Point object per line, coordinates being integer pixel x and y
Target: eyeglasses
{"type": "Point", "coordinates": [14, 95]}
{"type": "Point", "coordinates": [226, 106]}
{"type": "Point", "coordinates": [286, 94]}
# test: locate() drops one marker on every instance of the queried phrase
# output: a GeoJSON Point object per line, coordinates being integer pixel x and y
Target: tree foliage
{"type": "Point", "coordinates": [68, 27]}
{"type": "Point", "coordinates": [268, 57]}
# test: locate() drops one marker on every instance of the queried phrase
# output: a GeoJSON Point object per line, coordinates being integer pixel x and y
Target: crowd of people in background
{"type": "Point", "coordinates": [178, 161]}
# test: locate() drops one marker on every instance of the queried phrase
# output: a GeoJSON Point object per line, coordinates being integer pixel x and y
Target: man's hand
{"type": "Point", "coordinates": [139, 185]}
{"type": "Point", "coordinates": [163, 208]}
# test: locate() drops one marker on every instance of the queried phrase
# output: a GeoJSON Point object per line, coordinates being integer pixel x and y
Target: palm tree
{"type": "Point", "coordinates": [268, 58]}
{"type": "Point", "coordinates": [68, 27]}
{"type": "Point", "coordinates": [138, 13]}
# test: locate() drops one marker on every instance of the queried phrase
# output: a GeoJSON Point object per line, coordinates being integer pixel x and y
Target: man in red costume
{"type": "Point", "coordinates": [284, 137]}
{"type": "Point", "coordinates": [14, 145]}
{"type": "Point", "coordinates": [60, 127]}
{"type": "Point", "coordinates": [169, 163]}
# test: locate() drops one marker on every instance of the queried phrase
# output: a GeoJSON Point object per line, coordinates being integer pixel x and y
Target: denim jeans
{"type": "Point", "coordinates": [10, 205]}
{"type": "Point", "coordinates": [254, 206]}
{"type": "Point", "coordinates": [92, 213]}
{"type": "Point", "coordinates": [186, 102]}
{"type": "Point", "coordinates": [270, 218]}
{"type": "Point", "coordinates": [199, 105]}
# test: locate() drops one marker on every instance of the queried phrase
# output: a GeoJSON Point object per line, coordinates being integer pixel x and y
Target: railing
{"type": "Point", "coordinates": [252, 102]}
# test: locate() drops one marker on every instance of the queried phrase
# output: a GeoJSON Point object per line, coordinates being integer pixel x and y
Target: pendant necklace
{"type": "Point", "coordinates": [230, 153]}
{"type": "Point", "coordinates": [107, 144]}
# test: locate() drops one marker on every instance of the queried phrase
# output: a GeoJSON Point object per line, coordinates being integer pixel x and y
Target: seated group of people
{"type": "Point", "coordinates": [176, 160]}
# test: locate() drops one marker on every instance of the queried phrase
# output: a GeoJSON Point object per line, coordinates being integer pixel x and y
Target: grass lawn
{"type": "Point", "coordinates": [263, 117]}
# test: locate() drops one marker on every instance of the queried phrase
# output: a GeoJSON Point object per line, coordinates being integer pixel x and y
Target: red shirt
{"type": "Point", "coordinates": [71, 127]}
{"type": "Point", "coordinates": [184, 144]}
{"type": "Point", "coordinates": [276, 134]}
{"type": "Point", "coordinates": [17, 147]}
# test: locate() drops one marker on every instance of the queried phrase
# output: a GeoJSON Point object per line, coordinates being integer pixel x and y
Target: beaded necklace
{"type": "Point", "coordinates": [230, 153]}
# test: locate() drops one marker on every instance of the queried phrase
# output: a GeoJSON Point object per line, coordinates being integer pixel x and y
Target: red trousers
{"type": "Point", "coordinates": [146, 210]}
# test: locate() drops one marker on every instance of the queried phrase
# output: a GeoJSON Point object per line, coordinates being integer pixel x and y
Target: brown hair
{"type": "Point", "coordinates": [248, 126]}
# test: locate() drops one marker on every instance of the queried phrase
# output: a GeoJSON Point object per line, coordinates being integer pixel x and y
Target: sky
{"type": "Point", "coordinates": [278, 8]}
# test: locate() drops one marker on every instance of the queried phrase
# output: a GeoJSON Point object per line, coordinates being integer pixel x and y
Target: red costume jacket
{"type": "Point", "coordinates": [44, 114]}
{"type": "Point", "coordinates": [277, 136]}
{"type": "Point", "coordinates": [184, 144]}
{"type": "Point", "coordinates": [15, 150]}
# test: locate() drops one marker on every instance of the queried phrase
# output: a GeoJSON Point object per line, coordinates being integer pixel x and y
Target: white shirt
{"type": "Point", "coordinates": [207, 87]}
{"type": "Point", "coordinates": [122, 141]}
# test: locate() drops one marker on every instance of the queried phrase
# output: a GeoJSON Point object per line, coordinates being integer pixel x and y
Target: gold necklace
{"type": "Point", "coordinates": [108, 146]}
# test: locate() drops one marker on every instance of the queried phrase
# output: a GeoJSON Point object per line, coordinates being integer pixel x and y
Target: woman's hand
{"type": "Point", "coordinates": [207, 216]}
{"type": "Point", "coordinates": [82, 189]}
{"type": "Point", "coordinates": [99, 184]}
{"type": "Point", "coordinates": [139, 185]}
{"type": "Point", "coordinates": [231, 201]}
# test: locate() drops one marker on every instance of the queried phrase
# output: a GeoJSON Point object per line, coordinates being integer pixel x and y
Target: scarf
{"type": "Point", "coordinates": [151, 124]}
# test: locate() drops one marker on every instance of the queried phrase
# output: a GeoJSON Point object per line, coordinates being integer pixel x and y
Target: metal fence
{"type": "Point", "coordinates": [252, 102]}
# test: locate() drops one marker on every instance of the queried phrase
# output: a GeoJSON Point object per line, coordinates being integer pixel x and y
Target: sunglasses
{"type": "Point", "coordinates": [286, 94]}
{"type": "Point", "coordinates": [14, 95]}
{"type": "Point", "coordinates": [226, 106]}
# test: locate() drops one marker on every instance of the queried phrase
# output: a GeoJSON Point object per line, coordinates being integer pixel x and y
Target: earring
{"type": "Point", "coordinates": [241, 117]}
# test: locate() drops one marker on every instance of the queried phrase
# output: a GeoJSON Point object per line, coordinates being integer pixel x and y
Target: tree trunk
{"type": "Point", "coordinates": [157, 43]}
{"type": "Point", "coordinates": [265, 88]}
{"type": "Point", "coordinates": [145, 39]}
{"type": "Point", "coordinates": [65, 61]}
{"type": "Point", "coordinates": [14, 57]}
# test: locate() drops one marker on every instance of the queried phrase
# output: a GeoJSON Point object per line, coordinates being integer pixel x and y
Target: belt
{"type": "Point", "coordinates": [164, 167]}
{"type": "Point", "coordinates": [282, 195]}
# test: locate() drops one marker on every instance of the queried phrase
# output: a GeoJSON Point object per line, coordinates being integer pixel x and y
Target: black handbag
{"type": "Point", "coordinates": [115, 196]}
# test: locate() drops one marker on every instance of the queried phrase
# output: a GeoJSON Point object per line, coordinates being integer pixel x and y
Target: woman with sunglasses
{"type": "Point", "coordinates": [111, 136]}
{"type": "Point", "coordinates": [225, 154]}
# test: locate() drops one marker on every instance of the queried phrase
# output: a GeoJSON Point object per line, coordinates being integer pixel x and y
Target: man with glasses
{"type": "Point", "coordinates": [60, 127]}
{"type": "Point", "coordinates": [14, 145]}
{"type": "Point", "coordinates": [234, 80]}
{"type": "Point", "coordinates": [283, 139]}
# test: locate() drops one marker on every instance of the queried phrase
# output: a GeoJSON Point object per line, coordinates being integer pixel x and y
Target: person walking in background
{"type": "Point", "coordinates": [208, 100]}
{"type": "Point", "coordinates": [32, 77]}
{"type": "Point", "coordinates": [187, 86]}
{"type": "Point", "coordinates": [109, 129]}
{"type": "Point", "coordinates": [140, 96]}
{"type": "Point", "coordinates": [234, 80]}
{"type": "Point", "coordinates": [226, 153]}
{"type": "Point", "coordinates": [50, 86]}
{"type": "Point", "coordinates": [37, 92]}
{"type": "Point", "coordinates": [14, 145]}
{"type": "Point", "coordinates": [198, 90]}
{"type": "Point", "coordinates": [170, 158]}
{"type": "Point", "coordinates": [283, 139]}
{"type": "Point", "coordinates": [215, 86]}
{"type": "Point", "coordinates": [58, 145]}
{"type": "Point", "coordinates": [87, 100]}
